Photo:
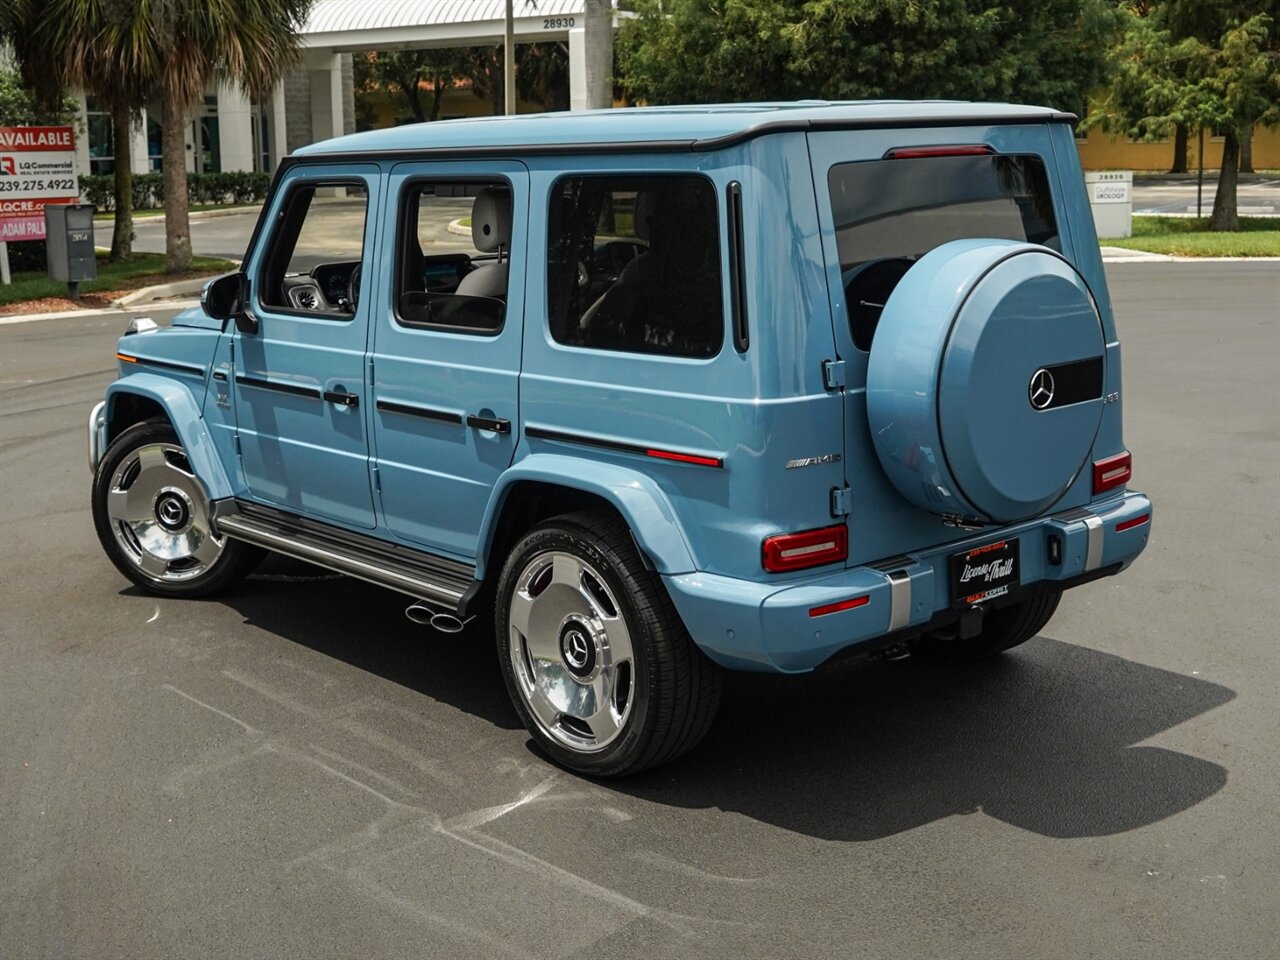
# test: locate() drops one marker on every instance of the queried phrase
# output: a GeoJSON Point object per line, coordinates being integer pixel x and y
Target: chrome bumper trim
{"type": "Point", "coordinates": [1093, 556]}
{"type": "Point", "coordinates": [97, 434]}
{"type": "Point", "coordinates": [899, 599]}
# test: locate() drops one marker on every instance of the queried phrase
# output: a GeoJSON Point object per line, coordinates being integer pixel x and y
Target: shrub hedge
{"type": "Point", "coordinates": [202, 188]}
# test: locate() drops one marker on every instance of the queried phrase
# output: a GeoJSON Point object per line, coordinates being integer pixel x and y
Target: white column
{"type": "Point", "coordinates": [138, 144]}
{"type": "Point", "coordinates": [578, 68]}
{"type": "Point", "coordinates": [235, 134]}
{"type": "Point", "coordinates": [279, 128]}
{"type": "Point", "coordinates": [326, 100]}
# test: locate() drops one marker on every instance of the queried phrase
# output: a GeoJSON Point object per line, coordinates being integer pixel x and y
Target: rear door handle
{"type": "Point", "coordinates": [492, 424]}
{"type": "Point", "coordinates": [342, 397]}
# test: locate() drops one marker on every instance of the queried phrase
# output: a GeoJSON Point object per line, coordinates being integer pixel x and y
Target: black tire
{"type": "Point", "coordinates": [168, 512]}
{"type": "Point", "coordinates": [626, 651]}
{"type": "Point", "coordinates": [1002, 630]}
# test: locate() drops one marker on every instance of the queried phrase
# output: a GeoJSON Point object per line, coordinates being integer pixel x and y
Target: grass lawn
{"type": "Point", "coordinates": [143, 270]}
{"type": "Point", "coordinates": [1190, 237]}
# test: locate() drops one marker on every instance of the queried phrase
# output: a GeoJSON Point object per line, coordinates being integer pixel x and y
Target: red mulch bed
{"type": "Point", "coordinates": [101, 300]}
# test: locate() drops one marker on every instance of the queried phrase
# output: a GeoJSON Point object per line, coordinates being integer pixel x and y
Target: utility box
{"type": "Point", "coordinates": [68, 231]}
{"type": "Point", "coordinates": [1111, 200]}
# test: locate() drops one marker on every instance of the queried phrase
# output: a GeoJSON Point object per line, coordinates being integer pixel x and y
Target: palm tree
{"type": "Point", "coordinates": [119, 50]}
{"type": "Point", "coordinates": [108, 49]}
{"type": "Point", "coordinates": [248, 42]}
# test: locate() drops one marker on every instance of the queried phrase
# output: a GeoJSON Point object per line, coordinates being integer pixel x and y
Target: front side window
{"type": "Point", "coordinates": [453, 255]}
{"type": "Point", "coordinates": [313, 261]}
{"type": "Point", "coordinates": [634, 265]}
{"type": "Point", "coordinates": [890, 213]}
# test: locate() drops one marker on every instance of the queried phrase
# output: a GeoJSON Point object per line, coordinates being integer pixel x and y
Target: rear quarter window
{"type": "Point", "coordinates": [634, 265]}
{"type": "Point", "coordinates": [890, 213]}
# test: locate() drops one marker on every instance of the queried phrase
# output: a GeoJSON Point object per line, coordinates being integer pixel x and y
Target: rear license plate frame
{"type": "Point", "coordinates": [985, 573]}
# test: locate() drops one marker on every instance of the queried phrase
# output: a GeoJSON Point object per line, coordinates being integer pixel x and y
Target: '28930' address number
{"type": "Point", "coordinates": [557, 23]}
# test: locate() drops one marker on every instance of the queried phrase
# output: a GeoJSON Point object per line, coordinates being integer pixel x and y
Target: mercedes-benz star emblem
{"type": "Point", "coordinates": [576, 649]}
{"type": "Point", "coordinates": [1040, 390]}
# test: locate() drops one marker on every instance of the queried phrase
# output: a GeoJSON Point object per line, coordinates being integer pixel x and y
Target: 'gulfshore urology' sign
{"type": "Point", "coordinates": [37, 167]}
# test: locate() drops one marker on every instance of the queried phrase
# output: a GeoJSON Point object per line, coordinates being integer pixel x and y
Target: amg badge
{"type": "Point", "coordinates": [813, 461]}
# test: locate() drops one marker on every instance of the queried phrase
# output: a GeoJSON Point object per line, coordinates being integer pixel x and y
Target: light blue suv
{"type": "Point", "coordinates": [649, 394]}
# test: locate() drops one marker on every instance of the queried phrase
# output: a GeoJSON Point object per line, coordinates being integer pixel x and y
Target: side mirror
{"type": "Point", "coordinates": [227, 298]}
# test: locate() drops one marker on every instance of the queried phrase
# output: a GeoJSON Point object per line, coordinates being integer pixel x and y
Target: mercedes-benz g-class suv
{"type": "Point", "coordinates": [648, 394]}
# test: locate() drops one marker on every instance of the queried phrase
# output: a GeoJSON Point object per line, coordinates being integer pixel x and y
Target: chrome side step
{"type": "Point", "coordinates": [413, 572]}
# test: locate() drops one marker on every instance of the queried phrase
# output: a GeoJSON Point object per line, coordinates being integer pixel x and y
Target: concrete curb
{"type": "Point", "coordinates": [163, 291]}
{"type": "Point", "coordinates": [73, 314]}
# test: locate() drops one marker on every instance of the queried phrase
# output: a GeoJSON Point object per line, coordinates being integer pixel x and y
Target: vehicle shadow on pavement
{"type": "Point", "coordinates": [1041, 738]}
{"type": "Point", "coordinates": [365, 627]}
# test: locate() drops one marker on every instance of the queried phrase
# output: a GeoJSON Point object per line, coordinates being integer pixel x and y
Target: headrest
{"type": "Point", "coordinates": [491, 219]}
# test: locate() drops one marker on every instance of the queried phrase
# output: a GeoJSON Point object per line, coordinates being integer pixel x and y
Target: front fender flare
{"type": "Point", "coordinates": [641, 502]}
{"type": "Point", "coordinates": [183, 411]}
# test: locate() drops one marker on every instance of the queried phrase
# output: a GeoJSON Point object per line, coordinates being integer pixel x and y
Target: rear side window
{"type": "Point", "coordinates": [634, 265]}
{"type": "Point", "coordinates": [453, 255]}
{"type": "Point", "coordinates": [890, 213]}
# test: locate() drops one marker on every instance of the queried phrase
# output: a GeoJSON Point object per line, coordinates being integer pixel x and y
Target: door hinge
{"type": "Point", "coordinates": [839, 501]}
{"type": "Point", "coordinates": [377, 480]}
{"type": "Point", "coordinates": [371, 370]}
{"type": "Point", "coordinates": [833, 374]}
{"type": "Point", "coordinates": [236, 438]}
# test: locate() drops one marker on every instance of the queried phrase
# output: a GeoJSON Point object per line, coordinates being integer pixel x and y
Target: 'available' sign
{"type": "Point", "coordinates": [37, 167]}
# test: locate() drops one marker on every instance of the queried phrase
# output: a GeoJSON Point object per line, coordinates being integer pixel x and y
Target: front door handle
{"type": "Point", "coordinates": [492, 424]}
{"type": "Point", "coordinates": [342, 397]}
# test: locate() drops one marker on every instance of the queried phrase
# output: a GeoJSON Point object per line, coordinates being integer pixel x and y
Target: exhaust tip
{"type": "Point", "coordinates": [421, 613]}
{"type": "Point", "coordinates": [447, 623]}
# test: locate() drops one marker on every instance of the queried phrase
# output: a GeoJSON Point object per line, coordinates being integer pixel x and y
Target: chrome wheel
{"type": "Point", "coordinates": [571, 651]}
{"type": "Point", "coordinates": [158, 514]}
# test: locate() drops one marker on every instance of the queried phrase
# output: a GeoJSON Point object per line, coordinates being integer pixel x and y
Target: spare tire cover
{"type": "Point", "coordinates": [984, 383]}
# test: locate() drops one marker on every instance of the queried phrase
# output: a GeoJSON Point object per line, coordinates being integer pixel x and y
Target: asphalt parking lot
{"type": "Point", "coordinates": [294, 769]}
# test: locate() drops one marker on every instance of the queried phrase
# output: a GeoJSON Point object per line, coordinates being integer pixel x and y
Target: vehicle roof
{"type": "Point", "coordinates": [701, 127]}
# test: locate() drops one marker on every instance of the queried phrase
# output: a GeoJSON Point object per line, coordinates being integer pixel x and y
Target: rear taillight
{"type": "Point", "coordinates": [810, 548]}
{"type": "Point", "coordinates": [1112, 472]}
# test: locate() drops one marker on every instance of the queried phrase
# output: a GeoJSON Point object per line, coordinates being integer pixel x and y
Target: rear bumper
{"type": "Point", "coordinates": [747, 625]}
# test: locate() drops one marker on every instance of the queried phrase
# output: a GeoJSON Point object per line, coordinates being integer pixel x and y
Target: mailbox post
{"type": "Point", "coordinates": [69, 244]}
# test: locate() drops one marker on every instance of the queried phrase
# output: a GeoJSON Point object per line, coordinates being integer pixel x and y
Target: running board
{"type": "Point", "coordinates": [413, 572]}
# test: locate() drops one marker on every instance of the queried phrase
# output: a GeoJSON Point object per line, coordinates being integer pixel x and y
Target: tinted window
{"type": "Point", "coordinates": [890, 213]}
{"type": "Point", "coordinates": [453, 255]}
{"type": "Point", "coordinates": [635, 265]}
{"type": "Point", "coordinates": [312, 266]}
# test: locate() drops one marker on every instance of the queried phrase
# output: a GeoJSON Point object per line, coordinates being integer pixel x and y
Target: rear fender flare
{"type": "Point", "coordinates": [641, 502]}
{"type": "Point", "coordinates": [180, 406]}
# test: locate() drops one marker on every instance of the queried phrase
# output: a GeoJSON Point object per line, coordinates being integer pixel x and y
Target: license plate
{"type": "Point", "coordinates": [984, 573]}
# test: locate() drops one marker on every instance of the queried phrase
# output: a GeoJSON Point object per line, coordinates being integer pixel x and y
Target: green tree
{"type": "Point", "coordinates": [20, 107]}
{"type": "Point", "coordinates": [407, 72]}
{"type": "Point", "coordinates": [1050, 52]}
{"type": "Point", "coordinates": [1202, 65]}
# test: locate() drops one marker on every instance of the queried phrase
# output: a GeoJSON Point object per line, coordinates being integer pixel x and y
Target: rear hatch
{"type": "Point", "coordinates": [956, 304]}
